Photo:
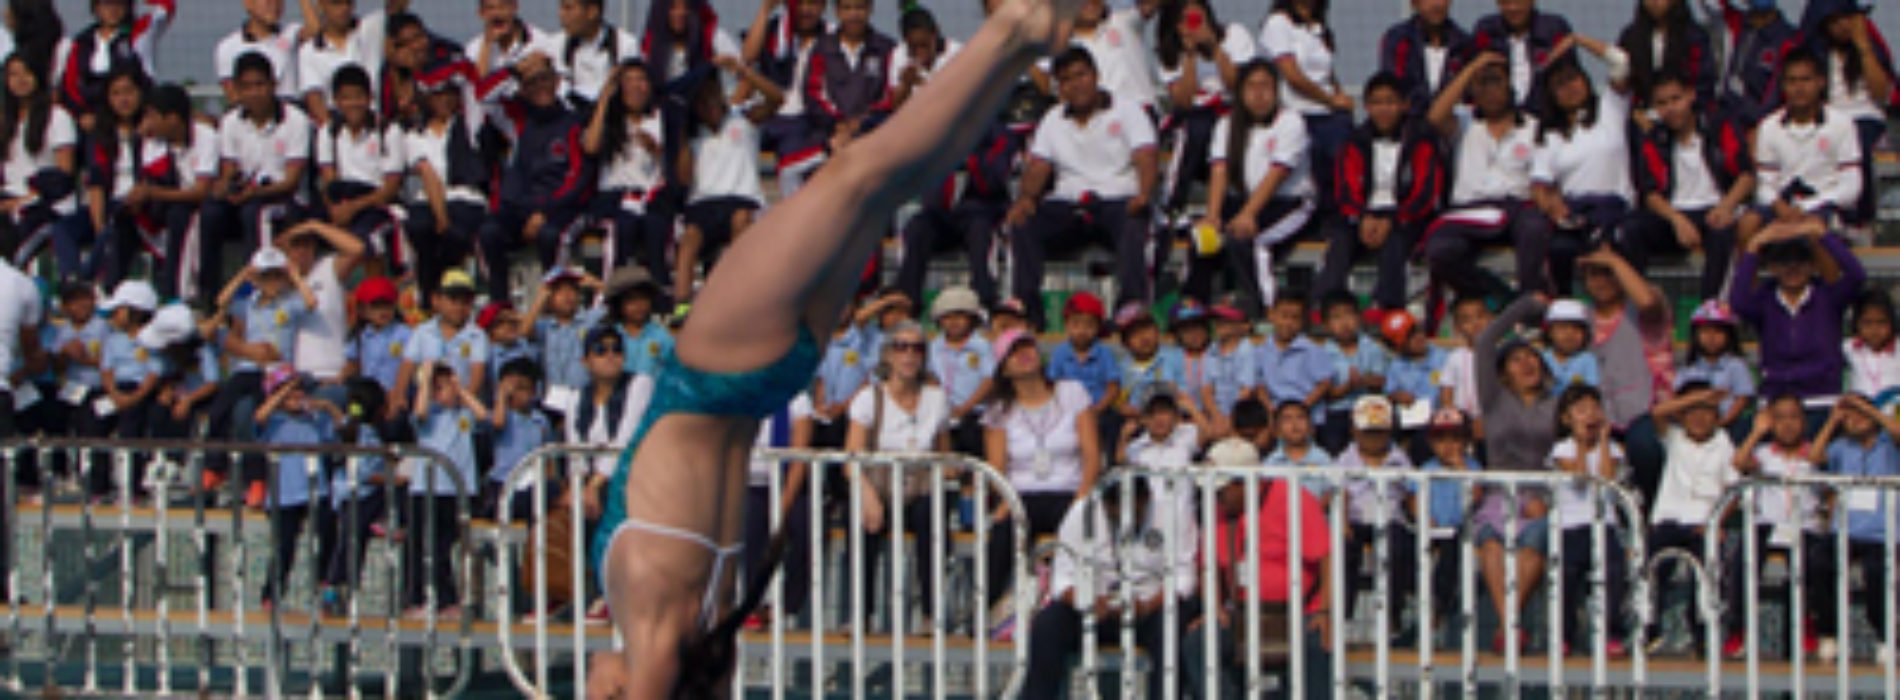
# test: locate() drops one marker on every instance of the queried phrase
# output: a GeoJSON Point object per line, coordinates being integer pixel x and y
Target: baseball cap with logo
{"type": "Point", "coordinates": [1372, 413]}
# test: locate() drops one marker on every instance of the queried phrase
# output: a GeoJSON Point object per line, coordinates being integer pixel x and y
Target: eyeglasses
{"type": "Point", "coordinates": [907, 346]}
{"type": "Point", "coordinates": [604, 349]}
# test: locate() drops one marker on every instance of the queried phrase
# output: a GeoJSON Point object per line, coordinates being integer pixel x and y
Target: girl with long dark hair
{"type": "Point", "coordinates": [1260, 192]}
{"type": "Point", "coordinates": [682, 39]}
{"type": "Point", "coordinates": [1299, 41]}
{"type": "Point", "coordinates": [445, 153]}
{"type": "Point", "coordinates": [1664, 38]}
{"type": "Point", "coordinates": [40, 138]}
{"type": "Point", "coordinates": [1580, 173]}
{"type": "Point", "coordinates": [1200, 59]}
{"type": "Point", "coordinates": [113, 171]}
{"type": "Point", "coordinates": [1042, 436]}
{"type": "Point", "coordinates": [117, 40]}
{"type": "Point", "coordinates": [628, 134]}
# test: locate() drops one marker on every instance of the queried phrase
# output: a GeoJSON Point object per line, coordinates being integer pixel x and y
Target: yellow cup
{"type": "Point", "coordinates": [1207, 240]}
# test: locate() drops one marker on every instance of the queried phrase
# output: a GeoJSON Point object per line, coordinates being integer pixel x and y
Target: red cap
{"type": "Point", "coordinates": [1085, 304]}
{"type": "Point", "coordinates": [376, 290]}
{"type": "Point", "coordinates": [490, 312]}
{"type": "Point", "coordinates": [1397, 326]}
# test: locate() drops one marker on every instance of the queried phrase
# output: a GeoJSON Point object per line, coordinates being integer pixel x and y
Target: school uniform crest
{"type": "Point", "coordinates": [558, 149]}
{"type": "Point", "coordinates": [395, 349]}
{"type": "Point", "coordinates": [282, 317]}
{"type": "Point", "coordinates": [850, 358]}
{"type": "Point", "coordinates": [283, 148]}
{"type": "Point", "coordinates": [1521, 151]}
{"type": "Point", "coordinates": [1825, 144]}
{"type": "Point", "coordinates": [1115, 129]}
{"type": "Point", "coordinates": [1114, 37]}
{"type": "Point", "coordinates": [92, 348]}
{"type": "Point", "coordinates": [971, 360]}
{"type": "Point", "coordinates": [467, 352]}
{"type": "Point", "coordinates": [653, 349]}
{"type": "Point", "coordinates": [874, 64]}
{"type": "Point", "coordinates": [462, 424]}
{"type": "Point", "coordinates": [733, 133]}
{"type": "Point", "coordinates": [139, 354]}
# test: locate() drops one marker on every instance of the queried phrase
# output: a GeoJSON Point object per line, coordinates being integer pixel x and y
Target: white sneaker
{"type": "Point", "coordinates": [1827, 650]}
{"type": "Point", "coordinates": [1883, 654]}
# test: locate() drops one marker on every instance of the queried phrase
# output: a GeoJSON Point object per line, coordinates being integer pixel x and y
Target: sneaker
{"type": "Point", "coordinates": [254, 498]}
{"type": "Point", "coordinates": [1883, 653]}
{"type": "Point", "coordinates": [1826, 650]}
{"type": "Point", "coordinates": [1736, 647]}
{"type": "Point", "coordinates": [1810, 644]}
{"type": "Point", "coordinates": [597, 613]}
{"type": "Point", "coordinates": [754, 623]}
{"type": "Point", "coordinates": [415, 612]}
{"type": "Point", "coordinates": [332, 604]}
{"type": "Point", "coordinates": [451, 613]}
{"type": "Point", "coordinates": [1615, 649]}
{"type": "Point", "coordinates": [212, 481]}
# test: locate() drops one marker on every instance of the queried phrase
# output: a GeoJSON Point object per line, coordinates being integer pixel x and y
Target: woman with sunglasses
{"type": "Point", "coordinates": [675, 508]}
{"type": "Point", "coordinates": [898, 413]}
{"type": "Point", "coordinates": [603, 414]}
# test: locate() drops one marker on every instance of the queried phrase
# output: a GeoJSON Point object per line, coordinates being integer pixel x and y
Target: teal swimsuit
{"type": "Point", "coordinates": [682, 389]}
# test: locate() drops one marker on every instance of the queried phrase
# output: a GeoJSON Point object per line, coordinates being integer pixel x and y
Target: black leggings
{"type": "Point", "coordinates": [287, 523]}
{"type": "Point", "coordinates": [426, 512]}
{"type": "Point", "coordinates": [1044, 513]}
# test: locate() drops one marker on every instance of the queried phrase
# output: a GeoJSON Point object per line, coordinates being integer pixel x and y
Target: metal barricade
{"type": "Point", "coordinates": [1187, 537]}
{"type": "Point", "coordinates": [139, 519]}
{"type": "Point", "coordinates": [1814, 533]}
{"type": "Point", "coordinates": [773, 658]}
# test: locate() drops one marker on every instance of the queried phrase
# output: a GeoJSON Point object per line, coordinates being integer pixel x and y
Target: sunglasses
{"type": "Point", "coordinates": [906, 346]}
{"type": "Point", "coordinates": [604, 349]}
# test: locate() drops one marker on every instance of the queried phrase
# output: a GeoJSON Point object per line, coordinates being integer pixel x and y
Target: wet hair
{"type": "Point", "coordinates": [706, 661]}
{"type": "Point", "coordinates": [1573, 395]}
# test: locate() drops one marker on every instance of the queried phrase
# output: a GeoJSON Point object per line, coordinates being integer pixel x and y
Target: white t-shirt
{"type": "Point", "coordinates": [759, 473]}
{"type": "Point", "coordinates": [1094, 157]}
{"type": "Point", "coordinates": [1573, 502]}
{"type": "Point", "coordinates": [1460, 373]}
{"type": "Point", "coordinates": [262, 152]}
{"type": "Point", "coordinates": [1695, 184]}
{"type": "Point", "coordinates": [1825, 155]}
{"type": "Point", "coordinates": [1284, 144]}
{"type": "Point", "coordinates": [1174, 453]}
{"type": "Point", "coordinates": [1122, 59]}
{"type": "Point", "coordinates": [318, 60]}
{"type": "Point", "coordinates": [323, 333]}
{"type": "Point", "coordinates": [1493, 168]}
{"type": "Point", "coordinates": [1694, 477]}
{"type": "Point", "coordinates": [726, 163]}
{"type": "Point", "coordinates": [21, 166]}
{"type": "Point", "coordinates": [600, 434]}
{"type": "Point", "coordinates": [1435, 57]}
{"type": "Point", "coordinates": [1210, 90]}
{"type": "Point", "coordinates": [900, 59]}
{"type": "Point", "coordinates": [593, 64]}
{"type": "Point", "coordinates": [1385, 185]}
{"type": "Point", "coordinates": [363, 157]}
{"type": "Point", "coordinates": [1871, 371]}
{"type": "Point", "coordinates": [19, 308]}
{"type": "Point", "coordinates": [634, 167]}
{"type": "Point", "coordinates": [1307, 45]}
{"type": "Point", "coordinates": [904, 431]}
{"type": "Point", "coordinates": [1591, 160]}
{"type": "Point", "coordinates": [1787, 508]}
{"type": "Point", "coordinates": [1522, 68]}
{"type": "Point", "coordinates": [1045, 449]}
{"type": "Point", "coordinates": [281, 49]}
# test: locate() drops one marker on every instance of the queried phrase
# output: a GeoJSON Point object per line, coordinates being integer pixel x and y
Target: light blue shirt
{"type": "Point", "coordinates": [643, 351]}
{"type": "Point", "coordinates": [1291, 373]}
{"type": "Point", "coordinates": [1370, 358]}
{"type": "Point", "coordinates": [273, 322]}
{"type": "Point", "coordinates": [92, 334]}
{"type": "Point", "coordinates": [1728, 373]}
{"type": "Point", "coordinates": [460, 352]}
{"type": "Point", "coordinates": [1848, 457]}
{"type": "Point", "coordinates": [1140, 381]}
{"type": "Point", "coordinates": [450, 431]}
{"type": "Point", "coordinates": [1581, 368]}
{"type": "Point", "coordinates": [1095, 372]}
{"type": "Point", "coordinates": [1417, 376]}
{"type": "Point", "coordinates": [961, 370]}
{"type": "Point", "coordinates": [1232, 373]}
{"type": "Point", "coordinates": [846, 366]}
{"type": "Point", "coordinates": [1447, 500]}
{"type": "Point", "coordinates": [128, 363]}
{"type": "Point", "coordinates": [519, 436]}
{"type": "Point", "coordinates": [366, 467]}
{"type": "Point", "coordinates": [300, 477]}
{"type": "Point", "coordinates": [561, 352]}
{"type": "Point", "coordinates": [1316, 458]}
{"type": "Point", "coordinates": [378, 352]}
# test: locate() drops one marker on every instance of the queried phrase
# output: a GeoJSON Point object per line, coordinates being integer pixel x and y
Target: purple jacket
{"type": "Point", "coordinates": [1800, 352]}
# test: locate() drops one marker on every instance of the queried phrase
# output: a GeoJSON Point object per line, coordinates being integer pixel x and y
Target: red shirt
{"type": "Point", "coordinates": [1230, 543]}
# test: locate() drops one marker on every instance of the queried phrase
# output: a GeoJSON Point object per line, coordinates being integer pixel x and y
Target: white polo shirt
{"type": "Point", "coordinates": [1493, 168]}
{"type": "Point", "coordinates": [1696, 189]}
{"type": "Point", "coordinates": [1825, 155]}
{"type": "Point", "coordinates": [592, 64]}
{"type": "Point", "coordinates": [1592, 160]}
{"type": "Point", "coordinates": [19, 308]}
{"type": "Point", "coordinates": [364, 157]}
{"type": "Point", "coordinates": [1045, 451]}
{"type": "Point", "coordinates": [1122, 59]}
{"type": "Point", "coordinates": [1210, 90]}
{"type": "Point", "coordinates": [635, 168]}
{"type": "Point", "coordinates": [904, 431]}
{"type": "Point", "coordinates": [1788, 508]}
{"type": "Point", "coordinates": [21, 165]}
{"type": "Point", "coordinates": [1282, 144]}
{"type": "Point", "coordinates": [726, 162]}
{"type": "Point", "coordinates": [262, 152]}
{"type": "Point", "coordinates": [1694, 477]}
{"type": "Point", "coordinates": [1573, 502]}
{"type": "Point", "coordinates": [200, 159]}
{"type": "Point", "coordinates": [318, 60]}
{"type": "Point", "coordinates": [280, 48]}
{"type": "Point", "coordinates": [1097, 156]}
{"type": "Point", "coordinates": [1307, 45]}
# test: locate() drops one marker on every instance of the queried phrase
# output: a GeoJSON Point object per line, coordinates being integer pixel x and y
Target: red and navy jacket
{"type": "Point", "coordinates": [1547, 30]}
{"type": "Point", "coordinates": [1402, 53]}
{"type": "Point", "coordinates": [1421, 186]}
{"type": "Point", "coordinates": [445, 58]}
{"type": "Point", "coordinates": [1698, 70]}
{"type": "Point", "coordinates": [549, 171]}
{"type": "Point", "coordinates": [779, 62]}
{"type": "Point", "coordinates": [1724, 149]}
{"type": "Point", "coordinates": [1747, 82]}
{"type": "Point", "coordinates": [82, 89]}
{"type": "Point", "coordinates": [987, 170]}
{"type": "Point", "coordinates": [835, 90]}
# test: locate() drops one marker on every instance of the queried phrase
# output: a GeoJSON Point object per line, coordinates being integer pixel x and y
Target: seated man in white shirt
{"type": "Point", "coordinates": [1807, 159]}
{"type": "Point", "coordinates": [1110, 538]}
{"type": "Point", "coordinates": [1100, 149]}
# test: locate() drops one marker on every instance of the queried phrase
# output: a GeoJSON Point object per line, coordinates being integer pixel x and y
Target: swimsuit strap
{"type": "Point", "coordinates": [721, 554]}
